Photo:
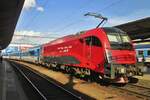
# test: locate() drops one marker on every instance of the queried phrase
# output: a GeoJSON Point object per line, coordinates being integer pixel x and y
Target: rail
{"type": "Point", "coordinates": [45, 88]}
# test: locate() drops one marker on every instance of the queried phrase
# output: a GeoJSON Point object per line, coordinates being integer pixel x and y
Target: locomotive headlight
{"type": "Point", "coordinates": [109, 56]}
{"type": "Point", "coordinates": [122, 70]}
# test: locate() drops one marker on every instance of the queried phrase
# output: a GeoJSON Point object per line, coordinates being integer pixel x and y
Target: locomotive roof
{"type": "Point", "coordinates": [67, 38]}
{"type": "Point", "coordinates": [81, 32]}
{"type": "Point", "coordinates": [74, 36]}
{"type": "Point", "coordinates": [112, 30]}
{"type": "Point", "coordinates": [62, 39]}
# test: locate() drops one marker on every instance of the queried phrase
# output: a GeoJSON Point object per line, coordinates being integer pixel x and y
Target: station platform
{"type": "Point", "coordinates": [10, 87]}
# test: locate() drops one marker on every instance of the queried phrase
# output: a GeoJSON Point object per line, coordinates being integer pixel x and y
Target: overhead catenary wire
{"type": "Point", "coordinates": [35, 36]}
{"type": "Point", "coordinates": [73, 23]}
{"type": "Point", "coordinates": [37, 15]}
{"type": "Point", "coordinates": [72, 14]}
{"type": "Point", "coordinates": [109, 6]}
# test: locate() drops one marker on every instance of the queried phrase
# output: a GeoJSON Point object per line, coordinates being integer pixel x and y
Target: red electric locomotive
{"type": "Point", "coordinates": [100, 52]}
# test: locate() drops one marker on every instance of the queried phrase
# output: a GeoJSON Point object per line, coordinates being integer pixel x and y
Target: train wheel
{"type": "Point", "coordinates": [133, 80]}
{"type": "Point", "coordinates": [72, 71]}
{"type": "Point", "coordinates": [94, 76]}
{"type": "Point", "coordinates": [57, 67]}
{"type": "Point", "coordinates": [87, 78]}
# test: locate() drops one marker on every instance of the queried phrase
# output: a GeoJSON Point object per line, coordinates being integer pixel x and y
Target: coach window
{"type": "Point", "coordinates": [140, 52]}
{"type": "Point", "coordinates": [32, 53]}
{"type": "Point", "coordinates": [93, 41]}
{"type": "Point", "coordinates": [148, 52]}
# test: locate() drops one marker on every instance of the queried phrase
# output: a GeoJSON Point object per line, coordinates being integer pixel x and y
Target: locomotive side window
{"type": "Point", "coordinates": [31, 53]}
{"type": "Point", "coordinates": [93, 41]}
{"type": "Point", "coordinates": [88, 40]}
{"type": "Point", "coordinates": [81, 40]}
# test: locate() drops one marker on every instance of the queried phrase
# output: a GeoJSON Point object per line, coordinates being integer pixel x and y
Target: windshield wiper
{"type": "Point", "coordinates": [127, 46]}
{"type": "Point", "coordinates": [116, 46]}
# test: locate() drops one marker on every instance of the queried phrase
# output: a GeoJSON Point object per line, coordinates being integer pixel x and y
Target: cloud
{"type": "Point", "coordinates": [41, 9]}
{"type": "Point", "coordinates": [117, 20]}
{"type": "Point", "coordinates": [29, 33]}
{"type": "Point", "coordinates": [32, 37]}
{"type": "Point", "coordinates": [32, 4]}
{"type": "Point", "coordinates": [21, 35]}
{"type": "Point", "coordinates": [29, 4]}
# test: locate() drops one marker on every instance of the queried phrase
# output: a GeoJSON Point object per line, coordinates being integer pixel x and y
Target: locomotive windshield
{"type": "Point", "coordinates": [118, 39]}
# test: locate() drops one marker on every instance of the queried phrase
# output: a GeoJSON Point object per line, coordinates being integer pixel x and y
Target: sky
{"type": "Point", "coordinates": [50, 18]}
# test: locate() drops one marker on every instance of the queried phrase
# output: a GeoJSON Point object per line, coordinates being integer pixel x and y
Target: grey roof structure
{"type": "Point", "coordinates": [139, 29]}
{"type": "Point", "coordinates": [9, 14]}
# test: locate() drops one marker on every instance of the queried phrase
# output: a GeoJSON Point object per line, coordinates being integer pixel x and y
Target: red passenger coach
{"type": "Point", "coordinates": [100, 52]}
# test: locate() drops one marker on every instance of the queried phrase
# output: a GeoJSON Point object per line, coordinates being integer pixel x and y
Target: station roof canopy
{"type": "Point", "coordinates": [139, 29]}
{"type": "Point", "coordinates": [9, 14]}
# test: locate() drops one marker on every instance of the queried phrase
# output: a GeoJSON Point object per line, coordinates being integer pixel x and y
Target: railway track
{"type": "Point", "coordinates": [140, 91]}
{"type": "Point", "coordinates": [131, 89]}
{"type": "Point", "coordinates": [43, 88]}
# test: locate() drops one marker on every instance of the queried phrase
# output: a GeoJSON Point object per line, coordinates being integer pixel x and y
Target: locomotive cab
{"type": "Point", "coordinates": [120, 56]}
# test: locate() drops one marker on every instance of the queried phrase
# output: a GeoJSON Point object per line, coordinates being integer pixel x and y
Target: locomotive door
{"type": "Point", "coordinates": [88, 48]}
{"type": "Point", "coordinates": [93, 51]}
